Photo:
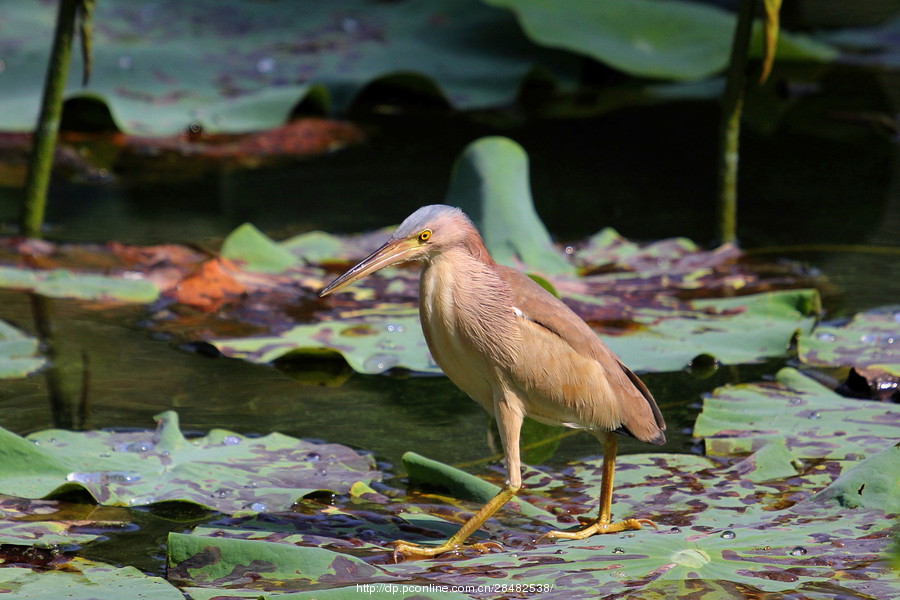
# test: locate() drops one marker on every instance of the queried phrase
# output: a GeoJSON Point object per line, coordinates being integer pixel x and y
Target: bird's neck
{"type": "Point", "coordinates": [474, 246]}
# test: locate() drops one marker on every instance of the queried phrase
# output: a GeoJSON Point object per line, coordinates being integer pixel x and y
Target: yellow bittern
{"type": "Point", "coordinates": [516, 350]}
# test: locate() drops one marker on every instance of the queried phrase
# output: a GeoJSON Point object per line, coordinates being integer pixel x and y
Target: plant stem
{"type": "Point", "coordinates": [44, 142]}
{"type": "Point", "coordinates": [730, 124]}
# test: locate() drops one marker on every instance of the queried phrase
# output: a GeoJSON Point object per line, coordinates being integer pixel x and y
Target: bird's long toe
{"type": "Point", "coordinates": [598, 527]}
{"type": "Point", "coordinates": [404, 551]}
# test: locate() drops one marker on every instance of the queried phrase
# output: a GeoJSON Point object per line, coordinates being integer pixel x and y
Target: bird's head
{"type": "Point", "coordinates": [423, 234]}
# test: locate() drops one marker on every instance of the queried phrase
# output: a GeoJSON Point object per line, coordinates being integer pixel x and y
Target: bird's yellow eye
{"type": "Point", "coordinates": [425, 235]}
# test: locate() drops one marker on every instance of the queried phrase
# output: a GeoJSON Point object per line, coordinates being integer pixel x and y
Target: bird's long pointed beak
{"type": "Point", "coordinates": [391, 253]}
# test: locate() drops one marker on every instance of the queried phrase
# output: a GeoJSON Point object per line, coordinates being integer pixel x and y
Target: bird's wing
{"type": "Point", "coordinates": [550, 313]}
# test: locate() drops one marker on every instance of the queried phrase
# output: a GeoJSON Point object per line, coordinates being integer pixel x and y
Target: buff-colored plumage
{"type": "Point", "coordinates": [515, 349]}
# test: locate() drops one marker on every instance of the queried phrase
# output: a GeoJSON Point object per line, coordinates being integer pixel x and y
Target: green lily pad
{"type": "Point", "coordinates": [459, 483]}
{"type": "Point", "coordinates": [85, 580]}
{"type": "Point", "coordinates": [223, 471]}
{"type": "Point", "coordinates": [713, 525]}
{"type": "Point", "coordinates": [608, 249]}
{"type": "Point", "coordinates": [254, 251]}
{"type": "Point", "coordinates": [870, 339]}
{"type": "Point", "coordinates": [648, 38]}
{"type": "Point", "coordinates": [809, 418]}
{"type": "Point", "coordinates": [731, 330]}
{"type": "Point", "coordinates": [372, 591]}
{"type": "Point", "coordinates": [22, 523]}
{"type": "Point", "coordinates": [871, 483]}
{"type": "Point", "coordinates": [62, 283]}
{"type": "Point", "coordinates": [490, 183]}
{"type": "Point", "coordinates": [18, 353]}
{"type": "Point", "coordinates": [371, 346]}
{"type": "Point", "coordinates": [221, 562]}
{"type": "Point", "coordinates": [234, 65]}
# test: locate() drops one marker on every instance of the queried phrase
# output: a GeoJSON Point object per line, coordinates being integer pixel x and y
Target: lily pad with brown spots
{"type": "Point", "coordinates": [870, 339]}
{"type": "Point", "coordinates": [813, 421]}
{"type": "Point", "coordinates": [715, 525]}
{"type": "Point", "coordinates": [223, 470]}
{"type": "Point", "coordinates": [81, 579]}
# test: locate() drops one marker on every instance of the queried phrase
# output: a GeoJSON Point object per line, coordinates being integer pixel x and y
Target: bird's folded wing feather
{"type": "Point", "coordinates": [549, 312]}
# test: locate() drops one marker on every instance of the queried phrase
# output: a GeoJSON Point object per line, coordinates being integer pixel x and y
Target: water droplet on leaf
{"type": "Point", "coordinates": [231, 440]}
{"type": "Point", "coordinates": [378, 363]}
{"type": "Point", "coordinates": [798, 551]}
{"type": "Point", "coordinates": [134, 447]}
{"type": "Point", "coordinates": [618, 551]}
{"type": "Point", "coordinates": [728, 535]}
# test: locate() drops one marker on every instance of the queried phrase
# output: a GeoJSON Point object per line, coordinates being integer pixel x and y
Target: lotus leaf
{"type": "Point", "coordinates": [373, 345]}
{"type": "Point", "coordinates": [459, 483]}
{"type": "Point", "coordinates": [223, 471]}
{"type": "Point", "coordinates": [234, 65]}
{"type": "Point", "coordinates": [809, 418]}
{"type": "Point", "coordinates": [649, 38]}
{"type": "Point", "coordinates": [254, 251]}
{"type": "Point", "coordinates": [870, 339]}
{"type": "Point", "coordinates": [490, 183]}
{"type": "Point", "coordinates": [37, 523]}
{"type": "Point", "coordinates": [734, 330]}
{"type": "Point", "coordinates": [62, 283]}
{"type": "Point", "coordinates": [85, 580]}
{"type": "Point", "coordinates": [18, 353]}
{"type": "Point", "coordinates": [386, 591]}
{"type": "Point", "coordinates": [715, 525]}
{"type": "Point", "coordinates": [871, 483]}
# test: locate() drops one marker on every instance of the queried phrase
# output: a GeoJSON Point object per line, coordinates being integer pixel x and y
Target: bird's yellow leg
{"type": "Point", "coordinates": [509, 417]}
{"type": "Point", "coordinates": [410, 551]}
{"type": "Point", "coordinates": [603, 523]}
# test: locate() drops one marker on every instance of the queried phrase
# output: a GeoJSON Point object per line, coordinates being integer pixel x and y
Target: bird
{"type": "Point", "coordinates": [517, 350]}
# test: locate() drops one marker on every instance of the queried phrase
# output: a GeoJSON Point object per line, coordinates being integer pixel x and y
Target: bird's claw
{"type": "Point", "coordinates": [595, 526]}
{"type": "Point", "coordinates": [408, 551]}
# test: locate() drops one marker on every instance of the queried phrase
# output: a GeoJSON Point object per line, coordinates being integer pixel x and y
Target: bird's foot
{"type": "Point", "coordinates": [409, 551]}
{"type": "Point", "coordinates": [596, 526]}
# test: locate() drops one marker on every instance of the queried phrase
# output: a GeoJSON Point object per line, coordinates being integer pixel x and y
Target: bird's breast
{"type": "Point", "coordinates": [468, 324]}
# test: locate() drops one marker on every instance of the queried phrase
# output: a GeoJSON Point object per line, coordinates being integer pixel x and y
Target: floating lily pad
{"type": "Point", "coordinates": [371, 346]}
{"type": "Point", "coordinates": [870, 339]}
{"type": "Point", "coordinates": [223, 471]}
{"type": "Point", "coordinates": [733, 330]}
{"type": "Point", "coordinates": [712, 526]}
{"type": "Point", "coordinates": [812, 420]}
{"type": "Point", "coordinates": [18, 353]}
{"type": "Point", "coordinates": [233, 562]}
{"type": "Point", "coordinates": [650, 38]}
{"type": "Point", "coordinates": [85, 580]}
{"type": "Point", "coordinates": [253, 250]}
{"type": "Point", "coordinates": [234, 65]}
{"type": "Point", "coordinates": [730, 330]}
{"type": "Point", "coordinates": [62, 283]}
{"type": "Point", "coordinates": [40, 523]}
{"type": "Point", "coordinates": [871, 483]}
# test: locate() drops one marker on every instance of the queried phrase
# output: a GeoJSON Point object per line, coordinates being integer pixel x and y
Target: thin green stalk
{"type": "Point", "coordinates": [44, 142]}
{"type": "Point", "coordinates": [730, 124]}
